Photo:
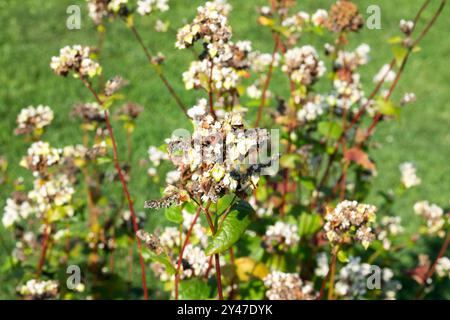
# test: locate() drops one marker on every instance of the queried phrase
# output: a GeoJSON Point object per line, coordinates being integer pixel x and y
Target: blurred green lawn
{"type": "Point", "coordinates": [32, 31]}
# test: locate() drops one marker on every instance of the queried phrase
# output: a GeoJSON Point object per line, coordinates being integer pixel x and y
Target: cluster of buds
{"type": "Point", "coordinates": [280, 237]}
{"type": "Point", "coordinates": [100, 9]}
{"type": "Point", "coordinates": [433, 215]}
{"type": "Point", "coordinates": [129, 111]}
{"type": "Point", "coordinates": [409, 97]}
{"type": "Point", "coordinates": [303, 65]}
{"type": "Point", "coordinates": [385, 74]}
{"type": "Point", "coordinates": [300, 20]}
{"type": "Point", "coordinates": [288, 286]}
{"type": "Point", "coordinates": [221, 157]}
{"type": "Point", "coordinates": [409, 176]}
{"type": "Point", "coordinates": [39, 290]}
{"type": "Point", "coordinates": [210, 26]}
{"type": "Point", "coordinates": [344, 16]}
{"type": "Point", "coordinates": [76, 59]}
{"type": "Point", "coordinates": [32, 118]}
{"type": "Point", "coordinates": [347, 62]}
{"type": "Point", "coordinates": [89, 112]}
{"type": "Point", "coordinates": [151, 241]}
{"type": "Point", "coordinates": [145, 7]}
{"type": "Point", "coordinates": [406, 26]}
{"type": "Point", "coordinates": [348, 220]}
{"type": "Point", "coordinates": [115, 84]}
{"type": "Point", "coordinates": [40, 157]}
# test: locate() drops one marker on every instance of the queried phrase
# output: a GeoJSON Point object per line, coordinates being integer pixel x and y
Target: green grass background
{"type": "Point", "coordinates": [32, 31]}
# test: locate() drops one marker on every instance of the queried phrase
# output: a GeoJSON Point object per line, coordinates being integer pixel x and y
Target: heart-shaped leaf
{"type": "Point", "coordinates": [232, 228]}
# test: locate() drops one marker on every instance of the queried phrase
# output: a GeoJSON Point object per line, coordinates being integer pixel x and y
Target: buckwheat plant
{"type": "Point", "coordinates": [264, 195]}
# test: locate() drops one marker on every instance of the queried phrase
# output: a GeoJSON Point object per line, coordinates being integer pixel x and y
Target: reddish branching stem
{"type": "Point", "coordinates": [124, 186]}
{"type": "Point", "coordinates": [160, 74]}
{"type": "Point", "coordinates": [267, 82]}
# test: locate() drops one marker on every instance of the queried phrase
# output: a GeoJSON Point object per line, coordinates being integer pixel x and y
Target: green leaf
{"type": "Point", "coordinates": [232, 228]}
{"type": "Point", "coordinates": [194, 289]}
{"type": "Point", "coordinates": [308, 183]}
{"type": "Point", "coordinates": [103, 160]}
{"type": "Point", "coordinates": [395, 40]}
{"type": "Point", "coordinates": [173, 214]}
{"type": "Point", "coordinates": [162, 258]}
{"type": "Point", "coordinates": [309, 224]}
{"type": "Point", "coordinates": [224, 203]}
{"type": "Point", "coordinates": [387, 108]}
{"type": "Point", "coordinates": [330, 129]}
{"type": "Point", "coordinates": [342, 256]}
{"type": "Point", "coordinates": [400, 53]}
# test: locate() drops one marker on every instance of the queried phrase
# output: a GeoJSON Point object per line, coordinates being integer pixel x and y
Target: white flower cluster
{"type": "Point", "coordinates": [353, 278]}
{"type": "Point", "coordinates": [353, 60]}
{"type": "Point", "coordinates": [310, 111]}
{"type": "Point", "coordinates": [156, 156]}
{"type": "Point", "coordinates": [389, 226]}
{"type": "Point", "coordinates": [145, 7]}
{"type": "Point", "coordinates": [220, 157]}
{"type": "Point", "coordinates": [303, 65]}
{"type": "Point", "coordinates": [385, 73]}
{"type": "Point", "coordinates": [41, 156]}
{"type": "Point", "coordinates": [77, 59]}
{"type": "Point", "coordinates": [322, 265]}
{"type": "Point", "coordinates": [281, 236]}
{"type": "Point", "coordinates": [297, 22]}
{"type": "Point", "coordinates": [350, 219]}
{"type": "Point", "coordinates": [348, 92]}
{"type": "Point", "coordinates": [259, 62]}
{"type": "Point", "coordinates": [302, 19]}
{"type": "Point", "coordinates": [433, 215]}
{"type": "Point", "coordinates": [89, 112]}
{"type": "Point", "coordinates": [195, 262]}
{"type": "Point", "coordinates": [32, 118]}
{"type": "Point", "coordinates": [116, 5]}
{"type": "Point", "coordinates": [287, 286]}
{"type": "Point", "coordinates": [48, 195]}
{"type": "Point", "coordinates": [210, 25]}
{"type": "Point", "coordinates": [443, 267]}
{"type": "Point", "coordinates": [16, 210]}
{"type": "Point", "coordinates": [38, 289]}
{"type": "Point", "coordinates": [409, 176]}
{"type": "Point", "coordinates": [170, 238]}
{"type": "Point", "coordinates": [223, 78]}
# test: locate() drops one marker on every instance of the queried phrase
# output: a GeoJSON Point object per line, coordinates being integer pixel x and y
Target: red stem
{"type": "Point", "coordinates": [161, 76]}
{"type": "Point", "coordinates": [267, 82]}
{"type": "Point", "coordinates": [130, 202]}
{"type": "Point", "coordinates": [183, 247]}
{"type": "Point", "coordinates": [124, 185]}
{"type": "Point", "coordinates": [44, 246]}
{"type": "Point", "coordinates": [219, 276]}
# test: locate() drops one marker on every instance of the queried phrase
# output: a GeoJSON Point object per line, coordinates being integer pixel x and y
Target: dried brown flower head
{"type": "Point", "coordinates": [344, 16]}
{"type": "Point", "coordinates": [151, 241]}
